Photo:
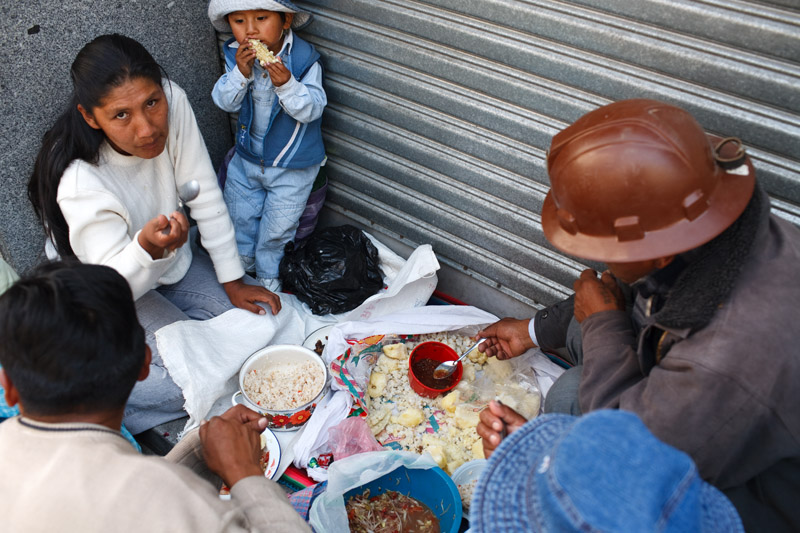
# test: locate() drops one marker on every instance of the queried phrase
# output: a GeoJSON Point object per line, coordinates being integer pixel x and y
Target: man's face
{"type": "Point", "coordinates": [634, 271]}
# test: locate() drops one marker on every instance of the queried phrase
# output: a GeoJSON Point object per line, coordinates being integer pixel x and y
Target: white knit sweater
{"type": "Point", "coordinates": [106, 205]}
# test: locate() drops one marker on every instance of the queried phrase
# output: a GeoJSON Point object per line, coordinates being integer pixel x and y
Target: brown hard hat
{"type": "Point", "coordinates": [638, 180]}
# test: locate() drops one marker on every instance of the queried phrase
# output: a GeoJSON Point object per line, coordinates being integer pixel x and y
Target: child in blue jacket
{"type": "Point", "coordinates": [279, 145]}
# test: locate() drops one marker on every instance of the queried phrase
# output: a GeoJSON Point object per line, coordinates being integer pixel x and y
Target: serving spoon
{"type": "Point", "coordinates": [186, 193]}
{"type": "Point", "coordinates": [447, 368]}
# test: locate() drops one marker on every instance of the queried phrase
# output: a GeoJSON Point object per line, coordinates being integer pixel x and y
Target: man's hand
{"type": "Point", "coordinates": [506, 338]}
{"type": "Point", "coordinates": [245, 296]}
{"type": "Point", "coordinates": [232, 444]}
{"type": "Point", "coordinates": [493, 420]}
{"type": "Point", "coordinates": [594, 295]}
{"type": "Point", "coordinates": [164, 234]}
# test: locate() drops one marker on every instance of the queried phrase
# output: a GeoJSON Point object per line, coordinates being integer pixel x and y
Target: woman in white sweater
{"type": "Point", "coordinates": [105, 187]}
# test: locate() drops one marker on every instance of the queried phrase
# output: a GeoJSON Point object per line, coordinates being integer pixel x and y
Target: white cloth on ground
{"type": "Point", "coordinates": [204, 357]}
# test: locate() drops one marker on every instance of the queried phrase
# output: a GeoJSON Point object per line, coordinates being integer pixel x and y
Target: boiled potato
{"type": "Point", "coordinates": [438, 454]}
{"type": "Point", "coordinates": [450, 401]}
{"type": "Point", "coordinates": [377, 383]}
{"type": "Point", "coordinates": [469, 373]}
{"type": "Point", "coordinates": [477, 357]}
{"type": "Point", "coordinates": [388, 365]}
{"type": "Point", "coordinates": [396, 351]}
{"type": "Point", "coordinates": [411, 417]}
{"type": "Point", "coordinates": [453, 465]}
{"type": "Point", "coordinates": [466, 417]}
{"type": "Point", "coordinates": [378, 420]}
{"type": "Point", "coordinates": [497, 370]}
{"type": "Point", "coordinates": [477, 450]}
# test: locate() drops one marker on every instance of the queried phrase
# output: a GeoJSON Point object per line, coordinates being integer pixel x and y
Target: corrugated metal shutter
{"type": "Point", "coordinates": [441, 111]}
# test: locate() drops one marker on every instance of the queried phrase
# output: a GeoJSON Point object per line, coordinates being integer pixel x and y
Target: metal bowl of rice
{"type": "Point", "coordinates": [284, 383]}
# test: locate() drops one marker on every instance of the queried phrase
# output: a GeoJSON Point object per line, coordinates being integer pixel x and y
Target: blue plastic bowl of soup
{"type": "Point", "coordinates": [431, 486]}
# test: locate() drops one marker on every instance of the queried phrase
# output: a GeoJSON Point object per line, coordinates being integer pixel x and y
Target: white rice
{"type": "Point", "coordinates": [466, 491]}
{"type": "Point", "coordinates": [284, 387]}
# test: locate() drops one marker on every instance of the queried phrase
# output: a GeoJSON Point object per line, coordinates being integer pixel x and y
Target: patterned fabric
{"type": "Point", "coordinates": [302, 499]}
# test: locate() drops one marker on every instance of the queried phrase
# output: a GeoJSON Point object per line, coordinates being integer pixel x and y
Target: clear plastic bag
{"type": "Point", "coordinates": [328, 510]}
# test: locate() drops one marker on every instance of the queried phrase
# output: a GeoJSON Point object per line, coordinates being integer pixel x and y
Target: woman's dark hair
{"type": "Point", "coordinates": [102, 65]}
{"type": "Point", "coordinates": [70, 340]}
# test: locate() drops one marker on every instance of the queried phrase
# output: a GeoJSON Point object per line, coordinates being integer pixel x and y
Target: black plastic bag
{"type": "Point", "coordinates": [333, 271]}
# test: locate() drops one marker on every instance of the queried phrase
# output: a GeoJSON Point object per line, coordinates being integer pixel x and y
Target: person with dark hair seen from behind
{"type": "Point", "coordinates": [105, 186]}
{"type": "Point", "coordinates": [72, 349]}
{"type": "Point", "coordinates": [693, 327]}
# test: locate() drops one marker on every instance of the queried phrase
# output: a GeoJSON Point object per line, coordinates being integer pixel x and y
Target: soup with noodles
{"type": "Point", "coordinates": [390, 512]}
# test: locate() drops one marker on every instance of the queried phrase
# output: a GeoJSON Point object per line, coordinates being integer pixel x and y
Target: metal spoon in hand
{"type": "Point", "coordinates": [186, 193]}
{"type": "Point", "coordinates": [446, 368]}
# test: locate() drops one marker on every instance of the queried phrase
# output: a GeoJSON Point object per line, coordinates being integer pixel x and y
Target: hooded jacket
{"type": "Point", "coordinates": [713, 368]}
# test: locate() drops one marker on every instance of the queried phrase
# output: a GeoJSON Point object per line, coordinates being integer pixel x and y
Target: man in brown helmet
{"type": "Point", "coordinates": [694, 326]}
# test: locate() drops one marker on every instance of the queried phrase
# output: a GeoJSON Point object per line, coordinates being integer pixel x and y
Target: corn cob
{"type": "Point", "coordinates": [263, 54]}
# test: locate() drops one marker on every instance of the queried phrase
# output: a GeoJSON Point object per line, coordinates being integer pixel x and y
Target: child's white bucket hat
{"type": "Point", "coordinates": [219, 9]}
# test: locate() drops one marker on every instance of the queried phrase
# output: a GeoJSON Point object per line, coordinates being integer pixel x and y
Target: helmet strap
{"type": "Point", "coordinates": [731, 161]}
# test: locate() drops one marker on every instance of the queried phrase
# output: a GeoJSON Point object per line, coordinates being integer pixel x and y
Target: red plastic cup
{"type": "Point", "coordinates": [439, 352]}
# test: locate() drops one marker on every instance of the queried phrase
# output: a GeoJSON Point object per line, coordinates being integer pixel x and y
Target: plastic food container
{"type": "Point", "coordinates": [438, 352]}
{"type": "Point", "coordinates": [467, 473]}
{"type": "Point", "coordinates": [432, 486]}
{"type": "Point", "coordinates": [289, 419]}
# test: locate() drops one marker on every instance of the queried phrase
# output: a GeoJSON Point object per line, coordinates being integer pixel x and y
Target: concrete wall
{"type": "Point", "coordinates": [39, 39]}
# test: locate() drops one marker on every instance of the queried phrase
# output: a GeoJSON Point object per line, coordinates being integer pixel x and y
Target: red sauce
{"type": "Point", "coordinates": [423, 370]}
{"type": "Point", "coordinates": [390, 512]}
{"type": "Point", "coordinates": [264, 460]}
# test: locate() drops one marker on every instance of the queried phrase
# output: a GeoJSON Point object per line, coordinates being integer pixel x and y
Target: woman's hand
{"type": "Point", "coordinates": [245, 296]}
{"type": "Point", "coordinates": [245, 56]}
{"type": "Point", "coordinates": [496, 419]}
{"type": "Point", "coordinates": [506, 338]}
{"type": "Point", "coordinates": [278, 73]}
{"type": "Point", "coordinates": [162, 234]}
{"type": "Point", "coordinates": [232, 445]}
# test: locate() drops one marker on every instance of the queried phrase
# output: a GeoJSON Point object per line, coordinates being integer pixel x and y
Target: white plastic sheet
{"type": "Point", "coordinates": [204, 357]}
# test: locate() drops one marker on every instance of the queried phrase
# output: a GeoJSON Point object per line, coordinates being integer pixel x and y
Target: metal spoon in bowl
{"type": "Point", "coordinates": [186, 193]}
{"type": "Point", "coordinates": [446, 368]}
